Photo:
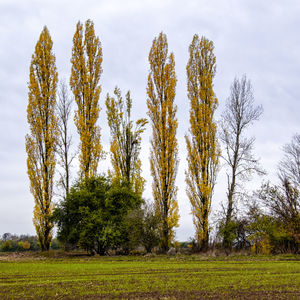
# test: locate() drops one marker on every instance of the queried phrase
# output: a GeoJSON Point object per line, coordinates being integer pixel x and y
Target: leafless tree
{"type": "Point", "coordinates": [289, 166]}
{"type": "Point", "coordinates": [283, 200]}
{"type": "Point", "coordinates": [240, 112]}
{"type": "Point", "coordinates": [283, 203]}
{"type": "Point", "coordinates": [64, 111]}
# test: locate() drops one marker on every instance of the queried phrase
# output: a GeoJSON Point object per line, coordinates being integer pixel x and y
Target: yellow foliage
{"type": "Point", "coordinates": [202, 147]}
{"type": "Point", "coordinates": [84, 82]}
{"type": "Point", "coordinates": [126, 141]}
{"type": "Point", "coordinates": [26, 245]}
{"type": "Point", "coordinates": [177, 246]}
{"type": "Point", "coordinates": [260, 243]}
{"type": "Point", "coordinates": [41, 142]}
{"type": "Point", "coordinates": [164, 148]}
{"type": "Point", "coordinates": [262, 246]}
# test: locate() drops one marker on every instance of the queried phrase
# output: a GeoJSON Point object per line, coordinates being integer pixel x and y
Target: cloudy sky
{"type": "Point", "coordinates": [253, 37]}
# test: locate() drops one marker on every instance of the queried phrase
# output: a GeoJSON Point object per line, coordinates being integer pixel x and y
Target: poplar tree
{"type": "Point", "coordinates": [84, 82]}
{"type": "Point", "coordinates": [202, 147]}
{"type": "Point", "coordinates": [164, 148]}
{"type": "Point", "coordinates": [125, 141]}
{"type": "Point", "coordinates": [41, 142]}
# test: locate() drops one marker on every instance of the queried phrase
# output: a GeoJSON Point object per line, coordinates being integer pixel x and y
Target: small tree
{"type": "Point", "coordinates": [125, 141]}
{"type": "Point", "coordinates": [266, 233]}
{"type": "Point", "coordinates": [150, 230]}
{"type": "Point", "coordinates": [143, 228]}
{"type": "Point", "coordinates": [283, 203]}
{"type": "Point", "coordinates": [6, 236]}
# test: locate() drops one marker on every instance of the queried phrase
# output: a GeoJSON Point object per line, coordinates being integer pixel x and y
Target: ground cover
{"type": "Point", "coordinates": [159, 277]}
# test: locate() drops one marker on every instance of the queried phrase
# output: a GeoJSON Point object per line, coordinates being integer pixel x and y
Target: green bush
{"type": "Point", "coordinates": [228, 232]}
{"type": "Point", "coordinates": [6, 246]}
{"type": "Point", "coordinates": [93, 213]}
{"type": "Point", "coordinates": [55, 244]}
{"type": "Point", "coordinates": [268, 235]}
{"type": "Point", "coordinates": [142, 228]}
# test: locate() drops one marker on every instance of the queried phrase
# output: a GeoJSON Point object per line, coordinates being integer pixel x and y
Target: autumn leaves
{"type": "Point", "coordinates": [125, 147]}
{"type": "Point", "coordinates": [164, 148]}
{"type": "Point", "coordinates": [84, 82]}
{"type": "Point", "coordinates": [41, 142]}
{"type": "Point", "coordinates": [202, 146]}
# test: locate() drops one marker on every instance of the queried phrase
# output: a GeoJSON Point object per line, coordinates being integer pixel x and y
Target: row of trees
{"type": "Point", "coordinates": [12, 243]}
{"type": "Point", "coordinates": [49, 135]}
{"type": "Point", "coordinates": [48, 120]}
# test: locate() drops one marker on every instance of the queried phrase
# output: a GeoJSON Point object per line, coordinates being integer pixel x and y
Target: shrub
{"type": "Point", "coordinates": [142, 228]}
{"type": "Point", "coordinates": [26, 245]}
{"type": "Point", "coordinates": [93, 213]}
{"type": "Point", "coordinates": [6, 246]}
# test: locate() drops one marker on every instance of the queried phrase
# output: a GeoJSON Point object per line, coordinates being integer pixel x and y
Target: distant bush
{"type": "Point", "coordinates": [26, 245]}
{"type": "Point", "coordinates": [6, 246]}
{"type": "Point", "coordinates": [55, 244]}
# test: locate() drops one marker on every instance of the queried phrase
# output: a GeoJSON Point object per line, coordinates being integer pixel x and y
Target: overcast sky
{"type": "Point", "coordinates": [258, 38]}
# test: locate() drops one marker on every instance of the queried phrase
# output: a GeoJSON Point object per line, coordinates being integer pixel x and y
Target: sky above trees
{"type": "Point", "coordinates": [257, 38]}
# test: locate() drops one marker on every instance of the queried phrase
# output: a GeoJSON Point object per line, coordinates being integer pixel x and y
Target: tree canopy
{"type": "Point", "coordinates": [93, 213]}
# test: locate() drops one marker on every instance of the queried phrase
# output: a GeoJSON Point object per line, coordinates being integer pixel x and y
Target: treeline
{"type": "Point", "coordinates": [99, 213]}
{"type": "Point", "coordinates": [19, 243]}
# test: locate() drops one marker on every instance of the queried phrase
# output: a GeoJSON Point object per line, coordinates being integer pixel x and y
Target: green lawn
{"type": "Point", "coordinates": [187, 277]}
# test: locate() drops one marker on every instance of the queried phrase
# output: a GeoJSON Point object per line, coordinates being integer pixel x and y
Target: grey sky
{"type": "Point", "coordinates": [258, 38]}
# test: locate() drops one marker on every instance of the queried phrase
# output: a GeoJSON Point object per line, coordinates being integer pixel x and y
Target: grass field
{"type": "Point", "coordinates": [159, 277]}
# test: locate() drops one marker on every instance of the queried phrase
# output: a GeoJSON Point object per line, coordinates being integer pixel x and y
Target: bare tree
{"type": "Point", "coordinates": [280, 202]}
{"type": "Point", "coordinates": [65, 158]}
{"type": "Point", "coordinates": [283, 203]}
{"type": "Point", "coordinates": [284, 200]}
{"type": "Point", "coordinates": [289, 166]}
{"type": "Point", "coordinates": [240, 112]}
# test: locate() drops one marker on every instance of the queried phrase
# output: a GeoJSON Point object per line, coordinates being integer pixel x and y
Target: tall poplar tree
{"type": "Point", "coordinates": [202, 147]}
{"type": "Point", "coordinates": [126, 141]}
{"type": "Point", "coordinates": [164, 148]}
{"type": "Point", "coordinates": [85, 75]}
{"type": "Point", "coordinates": [41, 142]}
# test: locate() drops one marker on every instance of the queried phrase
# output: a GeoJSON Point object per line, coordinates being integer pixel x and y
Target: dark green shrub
{"type": "Point", "coordinates": [93, 213]}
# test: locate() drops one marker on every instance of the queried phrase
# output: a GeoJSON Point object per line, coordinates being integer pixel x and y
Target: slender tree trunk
{"type": "Point", "coordinates": [205, 237]}
{"type": "Point", "coordinates": [227, 243]}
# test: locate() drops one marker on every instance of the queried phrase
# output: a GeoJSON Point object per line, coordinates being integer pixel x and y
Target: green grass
{"type": "Point", "coordinates": [183, 277]}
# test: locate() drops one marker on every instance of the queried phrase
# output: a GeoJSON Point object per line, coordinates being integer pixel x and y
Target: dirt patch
{"type": "Point", "coordinates": [39, 255]}
{"type": "Point", "coordinates": [17, 256]}
{"type": "Point", "coordinates": [245, 294]}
